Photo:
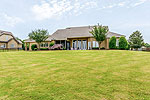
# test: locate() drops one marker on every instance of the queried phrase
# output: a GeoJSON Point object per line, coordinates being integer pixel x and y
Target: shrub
{"type": "Point", "coordinates": [103, 48]}
{"type": "Point", "coordinates": [95, 48]}
{"type": "Point", "coordinates": [35, 49]}
{"type": "Point", "coordinates": [33, 46]}
{"type": "Point", "coordinates": [44, 49]}
{"type": "Point", "coordinates": [112, 43]}
{"type": "Point", "coordinates": [123, 44]}
{"type": "Point", "coordinates": [51, 44]}
{"type": "Point", "coordinates": [128, 47]}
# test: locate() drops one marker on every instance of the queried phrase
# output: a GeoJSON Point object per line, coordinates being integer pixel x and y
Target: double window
{"type": "Point", "coordinates": [44, 44]}
{"type": "Point", "coordinates": [95, 44]}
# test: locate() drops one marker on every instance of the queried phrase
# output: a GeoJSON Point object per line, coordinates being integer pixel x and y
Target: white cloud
{"type": "Point", "coordinates": [9, 20]}
{"type": "Point", "coordinates": [139, 3]}
{"type": "Point", "coordinates": [55, 8]}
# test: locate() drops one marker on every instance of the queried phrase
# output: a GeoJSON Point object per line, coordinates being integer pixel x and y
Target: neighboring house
{"type": "Point", "coordinates": [7, 40]}
{"type": "Point", "coordinates": [76, 38]}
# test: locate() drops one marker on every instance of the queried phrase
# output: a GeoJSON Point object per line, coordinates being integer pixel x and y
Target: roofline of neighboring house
{"type": "Point", "coordinates": [11, 38]}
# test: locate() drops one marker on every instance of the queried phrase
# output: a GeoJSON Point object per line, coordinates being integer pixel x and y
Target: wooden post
{"type": "Point", "coordinates": [30, 47]}
{"type": "Point", "coordinates": [25, 46]}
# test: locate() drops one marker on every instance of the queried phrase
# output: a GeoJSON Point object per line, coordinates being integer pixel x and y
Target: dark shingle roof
{"type": "Point", "coordinates": [5, 32]}
{"type": "Point", "coordinates": [77, 32]}
{"type": "Point", "coordinates": [74, 32]}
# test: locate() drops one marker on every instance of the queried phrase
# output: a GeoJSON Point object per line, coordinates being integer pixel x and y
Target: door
{"type": "Point", "coordinates": [68, 45]}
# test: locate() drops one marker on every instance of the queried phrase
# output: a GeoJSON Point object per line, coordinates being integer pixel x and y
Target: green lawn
{"type": "Point", "coordinates": [75, 75]}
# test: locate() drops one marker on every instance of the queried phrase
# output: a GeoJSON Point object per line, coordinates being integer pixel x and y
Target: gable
{"type": "Point", "coordinates": [5, 37]}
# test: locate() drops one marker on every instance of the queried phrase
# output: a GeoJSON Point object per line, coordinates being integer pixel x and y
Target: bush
{"type": "Point", "coordinates": [34, 46]}
{"type": "Point", "coordinates": [51, 44]}
{"type": "Point", "coordinates": [123, 44]}
{"type": "Point", "coordinates": [128, 47]}
{"type": "Point", "coordinates": [35, 49]}
{"type": "Point", "coordinates": [44, 49]}
{"type": "Point", "coordinates": [95, 48]}
{"type": "Point", "coordinates": [103, 48]}
{"type": "Point", "coordinates": [112, 43]}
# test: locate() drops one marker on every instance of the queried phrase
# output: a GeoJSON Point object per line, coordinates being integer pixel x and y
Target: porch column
{"type": "Point", "coordinates": [30, 47]}
{"type": "Point", "coordinates": [107, 43]}
{"type": "Point", "coordinates": [65, 44]}
{"type": "Point", "coordinates": [25, 46]}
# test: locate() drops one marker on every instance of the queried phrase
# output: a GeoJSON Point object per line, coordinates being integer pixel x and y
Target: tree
{"type": "Point", "coordinates": [123, 44]}
{"type": "Point", "coordinates": [136, 40]}
{"type": "Point", "coordinates": [147, 45]}
{"type": "Point", "coordinates": [39, 36]}
{"type": "Point", "coordinates": [99, 33]}
{"type": "Point", "coordinates": [112, 43]}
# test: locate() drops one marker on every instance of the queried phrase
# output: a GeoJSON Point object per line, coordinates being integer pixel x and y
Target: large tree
{"type": "Point", "coordinates": [39, 35]}
{"type": "Point", "coordinates": [136, 40]}
{"type": "Point", "coordinates": [99, 33]}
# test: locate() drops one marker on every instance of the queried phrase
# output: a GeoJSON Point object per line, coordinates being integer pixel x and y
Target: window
{"type": "Point", "coordinates": [74, 44]}
{"type": "Point", "coordinates": [12, 46]}
{"type": "Point", "coordinates": [79, 44]}
{"type": "Point", "coordinates": [84, 44]}
{"type": "Point", "coordinates": [3, 46]}
{"type": "Point", "coordinates": [89, 45]}
{"type": "Point", "coordinates": [6, 38]}
{"type": "Point", "coordinates": [95, 44]}
{"type": "Point", "coordinates": [44, 45]}
{"type": "Point", "coordinates": [117, 42]}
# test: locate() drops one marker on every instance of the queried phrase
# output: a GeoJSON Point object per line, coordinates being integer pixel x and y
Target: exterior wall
{"type": "Point", "coordinates": [104, 44]}
{"type": "Point", "coordinates": [71, 41]}
{"type": "Point", "coordinates": [12, 42]}
{"type": "Point", "coordinates": [5, 37]}
{"type": "Point", "coordinates": [1, 44]}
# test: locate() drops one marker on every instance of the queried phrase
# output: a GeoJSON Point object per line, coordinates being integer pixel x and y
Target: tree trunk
{"type": "Point", "coordinates": [39, 46]}
{"type": "Point", "coordinates": [99, 45]}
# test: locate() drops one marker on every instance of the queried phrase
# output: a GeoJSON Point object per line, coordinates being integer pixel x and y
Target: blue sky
{"type": "Point", "coordinates": [122, 16]}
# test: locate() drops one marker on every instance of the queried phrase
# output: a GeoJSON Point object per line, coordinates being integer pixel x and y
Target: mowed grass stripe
{"type": "Point", "coordinates": [75, 75]}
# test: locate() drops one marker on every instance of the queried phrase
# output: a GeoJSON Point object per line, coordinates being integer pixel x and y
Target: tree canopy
{"type": "Point", "coordinates": [136, 40]}
{"type": "Point", "coordinates": [99, 33]}
{"type": "Point", "coordinates": [39, 35]}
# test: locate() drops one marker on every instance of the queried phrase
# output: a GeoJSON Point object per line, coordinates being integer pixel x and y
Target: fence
{"type": "Point", "coordinates": [9, 49]}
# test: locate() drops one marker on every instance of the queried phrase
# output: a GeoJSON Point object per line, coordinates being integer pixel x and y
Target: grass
{"type": "Point", "coordinates": [75, 75]}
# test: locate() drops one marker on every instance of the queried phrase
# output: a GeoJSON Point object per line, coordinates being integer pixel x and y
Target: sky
{"type": "Point", "coordinates": [122, 16]}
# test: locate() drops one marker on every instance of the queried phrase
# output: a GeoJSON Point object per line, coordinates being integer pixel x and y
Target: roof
{"type": "Point", "coordinates": [5, 32]}
{"type": "Point", "coordinates": [78, 32]}
{"type": "Point", "coordinates": [74, 32]}
{"type": "Point", "coordinates": [8, 33]}
{"type": "Point", "coordinates": [50, 38]}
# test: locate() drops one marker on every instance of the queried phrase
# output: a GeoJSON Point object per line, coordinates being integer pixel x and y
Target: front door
{"type": "Point", "coordinates": [68, 45]}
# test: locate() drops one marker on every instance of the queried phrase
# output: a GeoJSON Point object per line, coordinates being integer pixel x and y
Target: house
{"type": "Point", "coordinates": [7, 40]}
{"type": "Point", "coordinates": [76, 38]}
